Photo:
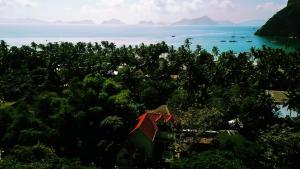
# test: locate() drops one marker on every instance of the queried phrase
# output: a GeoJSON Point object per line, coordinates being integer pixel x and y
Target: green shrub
{"type": "Point", "coordinates": [241, 147]}
{"type": "Point", "coordinates": [32, 154]}
{"type": "Point", "coordinates": [209, 160]}
{"type": "Point", "coordinates": [38, 157]}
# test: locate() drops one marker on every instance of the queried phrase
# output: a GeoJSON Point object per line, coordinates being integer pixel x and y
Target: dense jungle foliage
{"type": "Point", "coordinates": [65, 105]}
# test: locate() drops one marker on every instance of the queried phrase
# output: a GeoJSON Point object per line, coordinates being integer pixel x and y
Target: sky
{"type": "Point", "coordinates": [133, 11]}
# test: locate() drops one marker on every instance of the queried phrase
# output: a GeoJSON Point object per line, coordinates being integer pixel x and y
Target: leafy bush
{"type": "Point", "coordinates": [32, 154]}
{"type": "Point", "coordinates": [280, 148]}
{"type": "Point", "coordinates": [242, 148]}
{"type": "Point", "coordinates": [209, 160]}
{"type": "Point", "coordinates": [38, 157]}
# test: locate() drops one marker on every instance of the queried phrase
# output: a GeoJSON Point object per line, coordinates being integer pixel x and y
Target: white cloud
{"type": "Point", "coordinates": [14, 8]}
{"type": "Point", "coordinates": [157, 10]}
{"type": "Point", "coordinates": [68, 8]}
{"type": "Point", "coordinates": [175, 6]}
{"type": "Point", "coordinates": [18, 3]}
{"type": "Point", "coordinates": [27, 3]}
{"type": "Point", "coordinates": [224, 4]}
{"type": "Point", "coordinates": [111, 3]}
{"type": "Point", "coordinates": [271, 6]}
{"type": "Point", "coordinates": [132, 11]}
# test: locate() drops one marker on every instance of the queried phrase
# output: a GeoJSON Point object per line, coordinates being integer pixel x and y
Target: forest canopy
{"type": "Point", "coordinates": [72, 104]}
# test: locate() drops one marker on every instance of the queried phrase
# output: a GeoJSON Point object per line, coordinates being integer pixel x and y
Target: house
{"type": "Point", "coordinates": [154, 133]}
{"type": "Point", "coordinates": [280, 97]}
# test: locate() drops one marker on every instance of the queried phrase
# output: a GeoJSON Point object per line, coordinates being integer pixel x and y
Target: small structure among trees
{"type": "Point", "coordinates": [154, 135]}
{"type": "Point", "coordinates": [281, 98]}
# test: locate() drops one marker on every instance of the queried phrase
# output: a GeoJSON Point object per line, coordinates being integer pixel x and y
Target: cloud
{"type": "Point", "coordinates": [27, 3]}
{"type": "Point", "coordinates": [157, 10]}
{"type": "Point", "coordinates": [175, 6]}
{"type": "Point", "coordinates": [270, 6]}
{"type": "Point", "coordinates": [111, 3]}
{"type": "Point", "coordinates": [224, 4]}
{"type": "Point", "coordinates": [18, 3]}
{"type": "Point", "coordinates": [10, 7]}
{"type": "Point", "coordinates": [68, 8]}
{"type": "Point", "coordinates": [132, 11]}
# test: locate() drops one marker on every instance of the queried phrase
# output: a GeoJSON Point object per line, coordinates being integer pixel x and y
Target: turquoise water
{"type": "Point", "coordinates": [284, 112]}
{"type": "Point", "coordinates": [236, 38]}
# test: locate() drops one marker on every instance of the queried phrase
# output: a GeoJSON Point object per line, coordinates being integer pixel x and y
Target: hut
{"type": "Point", "coordinates": [154, 133]}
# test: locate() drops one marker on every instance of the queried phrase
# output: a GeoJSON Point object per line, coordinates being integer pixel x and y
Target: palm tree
{"type": "Point", "coordinates": [215, 51]}
{"type": "Point", "coordinates": [294, 100]}
{"type": "Point", "coordinates": [112, 122]}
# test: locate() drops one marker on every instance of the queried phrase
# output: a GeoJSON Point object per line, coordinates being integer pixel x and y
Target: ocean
{"type": "Point", "coordinates": [235, 38]}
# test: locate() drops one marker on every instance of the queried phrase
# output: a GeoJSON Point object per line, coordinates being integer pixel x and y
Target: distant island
{"type": "Point", "coordinates": [259, 22]}
{"type": "Point", "coordinates": [113, 22]}
{"type": "Point", "coordinates": [204, 20]}
{"type": "Point", "coordinates": [286, 23]}
{"type": "Point", "coordinates": [21, 21]}
{"type": "Point", "coordinates": [146, 23]}
{"type": "Point", "coordinates": [85, 22]}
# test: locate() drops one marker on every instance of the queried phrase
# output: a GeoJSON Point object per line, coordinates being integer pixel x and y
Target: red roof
{"type": "Point", "coordinates": [147, 123]}
{"type": "Point", "coordinates": [147, 126]}
{"type": "Point", "coordinates": [167, 118]}
{"type": "Point", "coordinates": [154, 117]}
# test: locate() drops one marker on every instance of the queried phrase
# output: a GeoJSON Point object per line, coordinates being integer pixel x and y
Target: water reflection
{"type": "Point", "coordinates": [288, 44]}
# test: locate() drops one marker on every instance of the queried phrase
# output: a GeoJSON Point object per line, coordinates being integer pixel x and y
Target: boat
{"type": "Point", "coordinates": [223, 40]}
{"type": "Point", "coordinates": [293, 37]}
{"type": "Point", "coordinates": [249, 41]}
{"type": "Point", "coordinates": [232, 41]}
{"type": "Point", "coordinates": [173, 36]}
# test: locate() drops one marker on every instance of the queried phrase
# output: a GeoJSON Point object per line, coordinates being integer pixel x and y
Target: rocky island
{"type": "Point", "coordinates": [286, 23]}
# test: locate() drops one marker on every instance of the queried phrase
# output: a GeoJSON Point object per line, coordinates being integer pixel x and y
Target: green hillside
{"type": "Point", "coordinates": [285, 23]}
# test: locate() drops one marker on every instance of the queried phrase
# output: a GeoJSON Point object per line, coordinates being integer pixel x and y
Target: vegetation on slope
{"type": "Point", "coordinates": [64, 105]}
{"type": "Point", "coordinates": [286, 23]}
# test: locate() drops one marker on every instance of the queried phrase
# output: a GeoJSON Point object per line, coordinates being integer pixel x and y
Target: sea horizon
{"type": "Point", "coordinates": [228, 37]}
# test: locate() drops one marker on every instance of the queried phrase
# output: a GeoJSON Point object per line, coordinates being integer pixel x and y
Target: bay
{"type": "Point", "coordinates": [235, 38]}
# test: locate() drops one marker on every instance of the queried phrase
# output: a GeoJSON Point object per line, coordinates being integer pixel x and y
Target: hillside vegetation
{"type": "Point", "coordinates": [65, 105]}
{"type": "Point", "coordinates": [286, 23]}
